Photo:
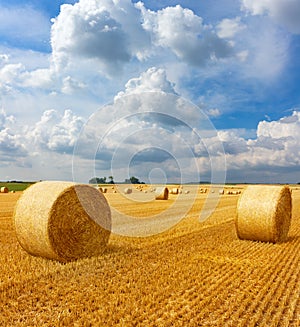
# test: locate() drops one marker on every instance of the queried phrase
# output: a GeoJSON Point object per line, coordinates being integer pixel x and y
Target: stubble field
{"type": "Point", "coordinates": [194, 274]}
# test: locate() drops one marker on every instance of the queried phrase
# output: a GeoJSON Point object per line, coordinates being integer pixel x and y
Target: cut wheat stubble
{"type": "Point", "coordinates": [63, 221]}
{"type": "Point", "coordinates": [264, 213]}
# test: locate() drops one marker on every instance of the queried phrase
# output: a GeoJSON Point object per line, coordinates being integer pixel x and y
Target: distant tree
{"type": "Point", "coordinates": [111, 180]}
{"type": "Point", "coordinates": [94, 180]}
{"type": "Point", "coordinates": [134, 180]}
{"type": "Point", "coordinates": [97, 180]}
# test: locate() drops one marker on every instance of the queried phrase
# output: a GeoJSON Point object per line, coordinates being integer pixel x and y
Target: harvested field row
{"type": "Point", "coordinates": [196, 274]}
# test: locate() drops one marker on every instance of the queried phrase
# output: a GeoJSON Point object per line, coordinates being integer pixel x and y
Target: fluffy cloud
{"type": "Point", "coordinates": [233, 144]}
{"type": "Point", "coordinates": [274, 150]}
{"type": "Point", "coordinates": [12, 148]}
{"type": "Point", "coordinates": [10, 75]}
{"type": "Point", "coordinates": [110, 35]}
{"type": "Point", "coordinates": [148, 118]}
{"type": "Point", "coordinates": [43, 150]}
{"type": "Point", "coordinates": [189, 39]}
{"type": "Point", "coordinates": [56, 132]}
{"type": "Point", "coordinates": [105, 31]}
{"type": "Point", "coordinates": [5, 120]}
{"type": "Point", "coordinates": [154, 79]}
{"type": "Point", "coordinates": [228, 28]}
{"type": "Point", "coordinates": [284, 12]}
{"type": "Point", "coordinates": [286, 127]}
{"type": "Point", "coordinates": [140, 131]}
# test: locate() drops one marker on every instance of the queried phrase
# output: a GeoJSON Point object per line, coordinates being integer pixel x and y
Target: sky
{"type": "Point", "coordinates": [167, 91]}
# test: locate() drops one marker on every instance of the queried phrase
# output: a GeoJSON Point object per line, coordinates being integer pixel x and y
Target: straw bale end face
{"type": "Point", "coordinates": [4, 189]}
{"type": "Point", "coordinates": [264, 213]}
{"type": "Point", "coordinates": [62, 220]}
{"type": "Point", "coordinates": [161, 193]}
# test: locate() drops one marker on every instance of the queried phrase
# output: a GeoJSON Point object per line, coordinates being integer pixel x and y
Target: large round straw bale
{"type": "Point", "coordinates": [62, 220]}
{"type": "Point", "coordinates": [161, 193]}
{"type": "Point", "coordinates": [264, 213]}
{"type": "Point", "coordinates": [128, 190]}
{"type": "Point", "coordinates": [4, 189]}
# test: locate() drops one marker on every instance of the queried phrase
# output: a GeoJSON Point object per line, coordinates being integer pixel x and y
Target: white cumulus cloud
{"type": "Point", "coordinates": [154, 79]}
{"type": "Point", "coordinates": [108, 32]}
{"type": "Point", "coordinates": [56, 132]}
{"type": "Point", "coordinates": [283, 128]}
{"type": "Point", "coordinates": [12, 147]}
{"type": "Point", "coordinates": [181, 31]}
{"type": "Point", "coordinates": [228, 28]}
{"type": "Point", "coordinates": [285, 12]}
{"type": "Point", "coordinates": [274, 150]}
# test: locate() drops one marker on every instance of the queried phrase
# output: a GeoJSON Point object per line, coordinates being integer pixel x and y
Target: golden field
{"type": "Point", "coordinates": [194, 274]}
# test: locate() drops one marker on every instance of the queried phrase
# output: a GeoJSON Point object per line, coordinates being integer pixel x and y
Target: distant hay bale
{"type": "Point", "coordinates": [102, 189]}
{"type": "Point", "coordinates": [186, 191]}
{"type": "Point", "coordinates": [4, 189]}
{"type": "Point", "coordinates": [174, 190]}
{"type": "Point", "coordinates": [63, 221]}
{"type": "Point", "coordinates": [264, 213]}
{"type": "Point", "coordinates": [128, 190]}
{"type": "Point", "coordinates": [161, 193]}
{"type": "Point", "coordinates": [221, 192]}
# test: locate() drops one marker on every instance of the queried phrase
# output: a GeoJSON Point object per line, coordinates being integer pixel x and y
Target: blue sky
{"type": "Point", "coordinates": [65, 63]}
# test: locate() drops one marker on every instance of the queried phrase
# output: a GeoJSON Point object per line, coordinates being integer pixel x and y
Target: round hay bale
{"type": "Point", "coordinates": [161, 193]}
{"type": "Point", "coordinates": [174, 190]}
{"type": "Point", "coordinates": [128, 190]}
{"type": "Point", "coordinates": [102, 189]}
{"type": "Point", "coordinates": [186, 191]}
{"type": "Point", "coordinates": [4, 189]}
{"type": "Point", "coordinates": [63, 221]}
{"type": "Point", "coordinates": [264, 213]}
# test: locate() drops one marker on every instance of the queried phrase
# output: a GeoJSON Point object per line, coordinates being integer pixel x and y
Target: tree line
{"type": "Point", "coordinates": [110, 180]}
